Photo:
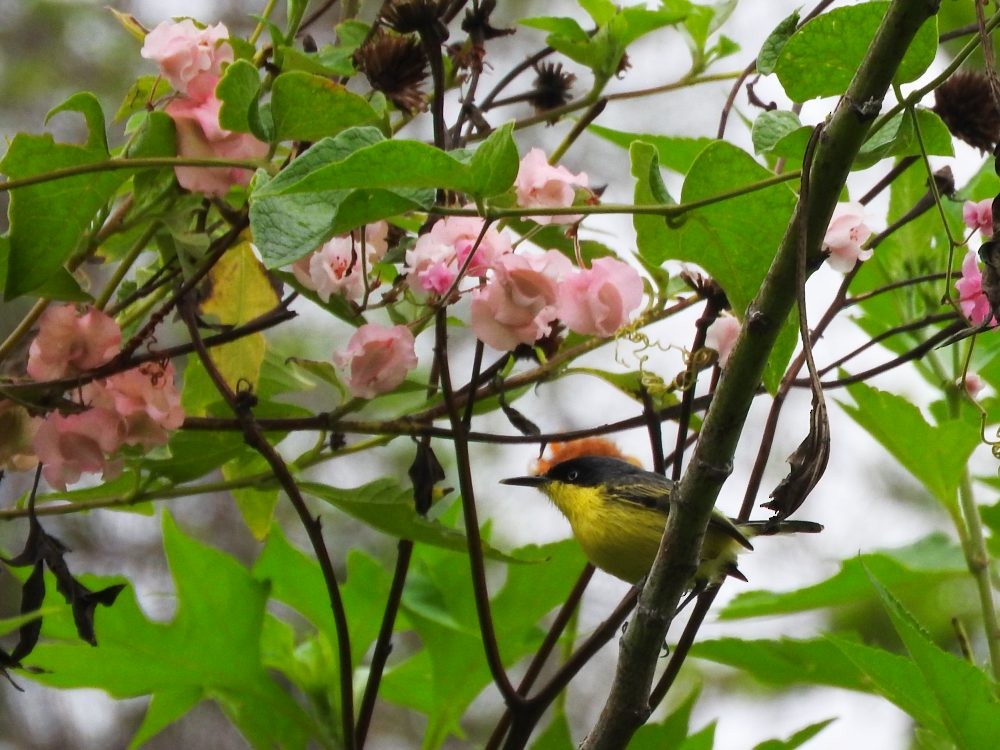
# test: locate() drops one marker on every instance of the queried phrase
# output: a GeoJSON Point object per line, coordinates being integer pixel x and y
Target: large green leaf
{"type": "Point", "coordinates": [734, 240]}
{"type": "Point", "coordinates": [822, 57]}
{"type": "Point", "coordinates": [308, 107]}
{"type": "Point", "coordinates": [917, 569]}
{"type": "Point", "coordinates": [935, 454]}
{"type": "Point", "coordinates": [358, 177]}
{"type": "Point", "coordinates": [49, 220]}
{"type": "Point", "coordinates": [211, 649]}
{"type": "Point", "coordinates": [964, 694]}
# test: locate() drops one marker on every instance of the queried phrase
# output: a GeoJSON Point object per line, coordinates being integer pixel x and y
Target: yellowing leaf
{"type": "Point", "coordinates": [241, 291]}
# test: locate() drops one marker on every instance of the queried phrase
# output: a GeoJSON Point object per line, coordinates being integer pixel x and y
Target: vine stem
{"type": "Point", "coordinates": [112, 165]}
{"type": "Point", "coordinates": [978, 560]}
{"type": "Point", "coordinates": [470, 516]}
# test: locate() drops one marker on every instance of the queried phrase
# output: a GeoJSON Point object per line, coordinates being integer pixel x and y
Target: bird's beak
{"type": "Point", "coordinates": [535, 481]}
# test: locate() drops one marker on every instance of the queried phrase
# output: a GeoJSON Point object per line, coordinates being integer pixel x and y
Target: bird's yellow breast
{"type": "Point", "coordinates": [622, 538]}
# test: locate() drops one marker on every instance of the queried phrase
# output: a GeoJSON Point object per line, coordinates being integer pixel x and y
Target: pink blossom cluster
{"type": "Point", "coordinates": [515, 297]}
{"type": "Point", "coordinates": [979, 215]}
{"type": "Point", "coordinates": [135, 407]}
{"type": "Point", "coordinates": [191, 59]}
{"type": "Point", "coordinates": [845, 236]}
{"type": "Point", "coordinates": [434, 262]}
{"type": "Point", "coordinates": [971, 297]}
{"type": "Point", "coordinates": [336, 267]}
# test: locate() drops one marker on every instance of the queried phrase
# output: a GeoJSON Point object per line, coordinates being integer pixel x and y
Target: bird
{"type": "Point", "coordinates": [618, 511]}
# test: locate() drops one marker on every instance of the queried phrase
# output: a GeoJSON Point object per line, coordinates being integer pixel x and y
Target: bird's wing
{"type": "Point", "coordinates": [651, 493]}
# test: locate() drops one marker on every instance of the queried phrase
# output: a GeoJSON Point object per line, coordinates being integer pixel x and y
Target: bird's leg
{"type": "Point", "coordinates": [696, 590]}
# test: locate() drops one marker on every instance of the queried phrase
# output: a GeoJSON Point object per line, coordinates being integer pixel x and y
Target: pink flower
{"type": "Point", "coordinates": [542, 185]}
{"type": "Point", "coordinates": [335, 267]}
{"type": "Point", "coordinates": [184, 52]}
{"type": "Point", "coordinates": [148, 403]}
{"type": "Point", "coordinates": [17, 431]}
{"type": "Point", "coordinates": [598, 301]}
{"type": "Point", "coordinates": [377, 359]}
{"type": "Point", "coordinates": [722, 335]}
{"type": "Point", "coordinates": [70, 342]}
{"type": "Point", "coordinates": [435, 260]}
{"type": "Point", "coordinates": [971, 298]}
{"type": "Point", "coordinates": [518, 305]}
{"type": "Point", "coordinates": [844, 237]}
{"type": "Point", "coordinates": [973, 384]}
{"type": "Point", "coordinates": [199, 136]}
{"type": "Point", "coordinates": [69, 445]}
{"type": "Point", "coordinates": [979, 215]}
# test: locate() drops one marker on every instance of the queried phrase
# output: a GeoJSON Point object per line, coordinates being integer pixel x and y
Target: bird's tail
{"type": "Point", "coordinates": [772, 526]}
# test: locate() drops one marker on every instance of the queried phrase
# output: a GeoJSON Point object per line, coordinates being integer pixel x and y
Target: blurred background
{"type": "Point", "coordinates": [51, 49]}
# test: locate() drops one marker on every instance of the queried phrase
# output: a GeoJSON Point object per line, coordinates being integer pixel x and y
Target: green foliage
{"type": "Point", "coordinates": [821, 58]}
{"type": "Point", "coordinates": [912, 571]}
{"type": "Point", "coordinates": [210, 650]}
{"type": "Point", "coordinates": [50, 220]}
{"type": "Point", "coordinates": [359, 177]}
{"type": "Point", "coordinates": [308, 107]}
{"type": "Point", "coordinates": [617, 28]}
{"type": "Point", "coordinates": [935, 454]}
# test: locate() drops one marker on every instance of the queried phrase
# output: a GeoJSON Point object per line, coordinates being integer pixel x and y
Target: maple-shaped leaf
{"type": "Point", "coordinates": [210, 650]}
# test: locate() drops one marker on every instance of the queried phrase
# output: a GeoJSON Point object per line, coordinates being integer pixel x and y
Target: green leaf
{"type": "Point", "coordinates": [295, 578]}
{"type": "Point", "coordinates": [87, 105]}
{"type": "Point", "coordinates": [733, 240]}
{"type": "Point", "coordinates": [895, 678]}
{"type": "Point", "coordinates": [50, 220]}
{"type": "Point", "coordinates": [495, 163]}
{"type": "Point", "coordinates": [240, 290]}
{"type": "Point", "coordinates": [965, 696]}
{"type": "Point", "coordinates": [146, 89]}
{"type": "Point", "coordinates": [822, 57]}
{"type": "Point", "coordinates": [256, 504]}
{"type": "Point", "coordinates": [675, 152]}
{"type": "Point", "coordinates": [917, 569]}
{"type": "Point", "coordinates": [780, 134]}
{"type": "Point", "coordinates": [388, 507]}
{"type": "Point", "coordinates": [771, 128]}
{"type": "Point", "coordinates": [798, 739]}
{"type": "Point", "coordinates": [936, 455]}
{"type": "Point", "coordinates": [617, 28]}
{"type": "Point", "coordinates": [211, 648]}
{"type": "Point", "coordinates": [239, 92]}
{"type": "Point", "coordinates": [898, 138]}
{"type": "Point", "coordinates": [775, 42]}
{"type": "Point", "coordinates": [194, 454]}
{"type": "Point", "coordinates": [308, 107]}
{"type": "Point", "coordinates": [671, 731]}
{"type": "Point", "coordinates": [164, 709]}
{"type": "Point", "coordinates": [784, 662]}
{"type": "Point", "coordinates": [358, 177]}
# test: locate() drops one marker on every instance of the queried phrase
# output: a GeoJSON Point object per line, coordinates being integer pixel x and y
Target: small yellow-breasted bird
{"type": "Point", "coordinates": [617, 512]}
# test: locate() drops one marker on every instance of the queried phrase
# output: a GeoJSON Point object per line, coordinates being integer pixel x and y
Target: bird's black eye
{"type": "Point", "coordinates": [572, 475]}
